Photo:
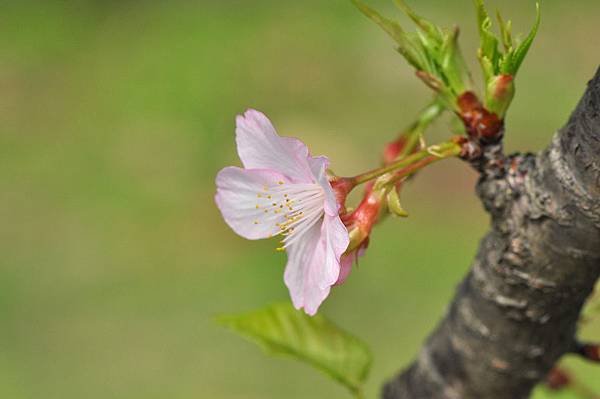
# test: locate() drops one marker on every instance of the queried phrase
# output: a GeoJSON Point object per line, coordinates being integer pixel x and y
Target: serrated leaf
{"type": "Point", "coordinates": [406, 46]}
{"type": "Point", "coordinates": [429, 28]}
{"type": "Point", "coordinates": [505, 30]}
{"type": "Point", "coordinates": [521, 50]}
{"type": "Point", "coordinates": [488, 46]}
{"type": "Point", "coordinates": [452, 63]}
{"type": "Point", "coordinates": [431, 50]}
{"type": "Point", "coordinates": [282, 330]}
{"type": "Point", "coordinates": [486, 67]}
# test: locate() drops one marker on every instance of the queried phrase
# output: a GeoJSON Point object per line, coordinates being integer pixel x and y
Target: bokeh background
{"type": "Point", "coordinates": [115, 117]}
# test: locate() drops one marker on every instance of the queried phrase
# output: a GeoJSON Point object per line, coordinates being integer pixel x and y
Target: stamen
{"type": "Point", "coordinates": [296, 209]}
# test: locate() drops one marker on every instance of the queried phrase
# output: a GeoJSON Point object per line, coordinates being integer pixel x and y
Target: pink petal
{"type": "Point", "coordinates": [259, 147]}
{"type": "Point", "coordinates": [236, 198]}
{"type": "Point", "coordinates": [318, 166]}
{"type": "Point", "coordinates": [346, 263]}
{"type": "Point", "coordinates": [314, 263]}
{"type": "Point", "coordinates": [335, 240]}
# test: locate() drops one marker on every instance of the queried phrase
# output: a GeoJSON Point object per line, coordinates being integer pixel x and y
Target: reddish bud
{"type": "Point", "coordinates": [489, 125]}
{"type": "Point", "coordinates": [360, 221]}
{"type": "Point", "coordinates": [478, 121]}
{"type": "Point", "coordinates": [557, 379]}
{"type": "Point", "coordinates": [468, 101]}
{"type": "Point", "coordinates": [502, 86]}
{"type": "Point", "coordinates": [393, 149]}
{"type": "Point", "coordinates": [499, 94]}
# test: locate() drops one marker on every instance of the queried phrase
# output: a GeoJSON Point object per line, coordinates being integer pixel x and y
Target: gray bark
{"type": "Point", "coordinates": [515, 313]}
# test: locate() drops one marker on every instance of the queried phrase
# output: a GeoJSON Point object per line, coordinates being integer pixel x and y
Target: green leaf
{"type": "Point", "coordinates": [429, 28]}
{"type": "Point", "coordinates": [520, 52]}
{"type": "Point", "coordinates": [505, 30]}
{"type": "Point", "coordinates": [431, 50]}
{"type": "Point", "coordinates": [282, 330]}
{"type": "Point", "coordinates": [488, 47]}
{"type": "Point", "coordinates": [452, 63]}
{"type": "Point", "coordinates": [407, 45]}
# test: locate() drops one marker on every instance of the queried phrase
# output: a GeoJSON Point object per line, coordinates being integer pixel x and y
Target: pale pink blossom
{"type": "Point", "coordinates": [283, 190]}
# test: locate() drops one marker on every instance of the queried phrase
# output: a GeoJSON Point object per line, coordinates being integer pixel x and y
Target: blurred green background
{"type": "Point", "coordinates": [115, 117]}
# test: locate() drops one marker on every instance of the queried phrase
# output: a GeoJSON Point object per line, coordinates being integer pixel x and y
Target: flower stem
{"type": "Point", "coordinates": [413, 162]}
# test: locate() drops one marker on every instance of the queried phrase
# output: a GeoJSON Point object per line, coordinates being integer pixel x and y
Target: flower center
{"type": "Point", "coordinates": [293, 208]}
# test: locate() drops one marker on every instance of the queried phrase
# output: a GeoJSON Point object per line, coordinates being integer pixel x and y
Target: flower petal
{"type": "Point", "coordinates": [318, 166]}
{"type": "Point", "coordinates": [346, 263]}
{"type": "Point", "coordinates": [348, 260]}
{"type": "Point", "coordinates": [297, 274]}
{"type": "Point", "coordinates": [335, 240]}
{"type": "Point", "coordinates": [260, 147]}
{"type": "Point", "coordinates": [314, 263]}
{"type": "Point", "coordinates": [236, 198]}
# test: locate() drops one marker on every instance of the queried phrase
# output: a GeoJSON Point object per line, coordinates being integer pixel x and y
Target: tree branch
{"type": "Point", "coordinates": [515, 313]}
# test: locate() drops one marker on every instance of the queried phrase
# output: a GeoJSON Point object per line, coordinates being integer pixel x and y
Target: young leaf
{"type": "Point", "coordinates": [488, 48]}
{"type": "Point", "coordinates": [429, 28]}
{"type": "Point", "coordinates": [521, 51]}
{"type": "Point", "coordinates": [431, 50]}
{"type": "Point", "coordinates": [505, 30]}
{"type": "Point", "coordinates": [406, 45]}
{"type": "Point", "coordinates": [452, 63]}
{"type": "Point", "coordinates": [282, 330]}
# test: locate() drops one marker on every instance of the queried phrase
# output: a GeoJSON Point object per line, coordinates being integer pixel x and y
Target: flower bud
{"type": "Point", "coordinates": [392, 150]}
{"type": "Point", "coordinates": [360, 221]}
{"type": "Point", "coordinates": [499, 94]}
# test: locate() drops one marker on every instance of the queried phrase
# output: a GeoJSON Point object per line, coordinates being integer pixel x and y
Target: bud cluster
{"type": "Point", "coordinates": [435, 54]}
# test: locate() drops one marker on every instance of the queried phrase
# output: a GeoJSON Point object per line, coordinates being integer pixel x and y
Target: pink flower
{"type": "Point", "coordinates": [283, 190]}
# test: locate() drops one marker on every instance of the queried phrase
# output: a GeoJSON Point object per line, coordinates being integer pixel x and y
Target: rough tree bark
{"type": "Point", "coordinates": [515, 313]}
